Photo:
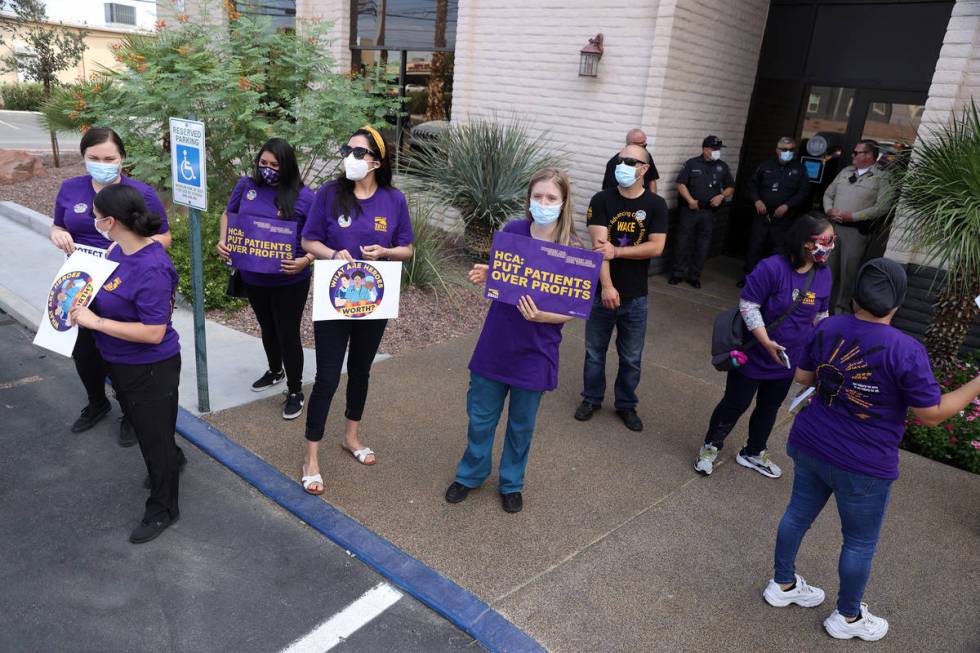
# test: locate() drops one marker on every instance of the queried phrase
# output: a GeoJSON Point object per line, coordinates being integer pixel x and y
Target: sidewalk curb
{"type": "Point", "coordinates": [17, 308]}
{"type": "Point", "coordinates": [431, 588]}
{"type": "Point", "coordinates": [37, 222]}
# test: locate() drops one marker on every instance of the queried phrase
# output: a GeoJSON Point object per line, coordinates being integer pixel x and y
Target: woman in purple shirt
{"type": "Point", "coordinates": [360, 215]}
{"type": "Point", "coordinates": [104, 154]}
{"type": "Point", "coordinates": [773, 288]}
{"type": "Point", "coordinates": [867, 376]}
{"type": "Point", "coordinates": [517, 354]}
{"type": "Point", "coordinates": [275, 190]}
{"type": "Point", "coordinates": [131, 320]}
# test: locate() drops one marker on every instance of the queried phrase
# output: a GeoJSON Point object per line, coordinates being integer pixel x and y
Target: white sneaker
{"type": "Point", "coordinates": [869, 627]}
{"type": "Point", "coordinates": [803, 595]}
{"type": "Point", "coordinates": [706, 459]}
{"type": "Point", "coordinates": [761, 463]}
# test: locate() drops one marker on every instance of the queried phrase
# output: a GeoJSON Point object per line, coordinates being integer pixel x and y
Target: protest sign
{"type": "Point", "coordinates": [367, 290]}
{"type": "Point", "coordinates": [76, 284]}
{"type": "Point", "coordinates": [97, 252]}
{"type": "Point", "coordinates": [559, 279]}
{"type": "Point", "coordinates": [260, 244]}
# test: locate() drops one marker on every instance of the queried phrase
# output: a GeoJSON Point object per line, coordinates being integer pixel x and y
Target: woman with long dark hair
{"type": "Point", "coordinates": [783, 299]}
{"type": "Point", "coordinates": [360, 215]}
{"type": "Point", "coordinates": [275, 190]}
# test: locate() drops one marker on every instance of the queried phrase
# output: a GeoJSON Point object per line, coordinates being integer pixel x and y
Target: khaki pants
{"type": "Point", "coordinates": [844, 263]}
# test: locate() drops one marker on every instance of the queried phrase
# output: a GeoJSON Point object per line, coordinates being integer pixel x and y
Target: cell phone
{"type": "Point", "coordinates": [785, 359]}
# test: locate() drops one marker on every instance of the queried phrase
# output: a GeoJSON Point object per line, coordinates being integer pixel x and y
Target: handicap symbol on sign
{"type": "Point", "coordinates": [189, 166]}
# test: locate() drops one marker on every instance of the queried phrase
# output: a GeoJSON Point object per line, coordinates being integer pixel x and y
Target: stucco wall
{"type": "Point", "coordinates": [337, 12]}
{"type": "Point", "coordinates": [96, 55]}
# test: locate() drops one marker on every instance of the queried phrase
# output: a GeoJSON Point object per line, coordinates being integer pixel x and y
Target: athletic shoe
{"type": "Point", "coordinates": [674, 281]}
{"type": "Point", "coordinates": [149, 530]}
{"type": "Point", "coordinates": [803, 595]}
{"type": "Point", "coordinates": [706, 459]}
{"type": "Point", "coordinates": [869, 627]}
{"type": "Point", "coordinates": [294, 405]}
{"type": "Point", "coordinates": [268, 380]}
{"type": "Point", "coordinates": [90, 417]}
{"type": "Point", "coordinates": [694, 283]}
{"type": "Point", "coordinates": [512, 502]}
{"type": "Point", "coordinates": [761, 463]}
{"type": "Point", "coordinates": [127, 436]}
{"type": "Point", "coordinates": [585, 411]}
{"type": "Point", "coordinates": [456, 492]}
{"type": "Point", "coordinates": [630, 419]}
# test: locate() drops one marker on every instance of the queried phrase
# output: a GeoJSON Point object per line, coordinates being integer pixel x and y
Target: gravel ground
{"type": "Point", "coordinates": [39, 193]}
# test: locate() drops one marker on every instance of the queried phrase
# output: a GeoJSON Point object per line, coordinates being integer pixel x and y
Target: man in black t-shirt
{"type": "Point", "coordinates": [650, 177]}
{"type": "Point", "coordinates": [628, 224]}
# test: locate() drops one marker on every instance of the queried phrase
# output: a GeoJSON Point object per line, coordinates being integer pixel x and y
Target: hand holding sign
{"type": "Point", "coordinates": [478, 275]}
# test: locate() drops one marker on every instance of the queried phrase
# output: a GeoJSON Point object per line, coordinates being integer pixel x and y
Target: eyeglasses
{"type": "Point", "coordinates": [630, 161]}
{"type": "Point", "coordinates": [358, 152]}
{"type": "Point", "coordinates": [786, 149]}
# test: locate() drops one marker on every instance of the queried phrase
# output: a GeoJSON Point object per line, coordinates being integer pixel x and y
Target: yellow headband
{"type": "Point", "coordinates": [376, 135]}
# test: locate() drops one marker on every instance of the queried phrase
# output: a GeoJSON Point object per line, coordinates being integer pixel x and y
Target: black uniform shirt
{"type": "Point", "coordinates": [778, 183]}
{"type": "Point", "coordinates": [705, 179]}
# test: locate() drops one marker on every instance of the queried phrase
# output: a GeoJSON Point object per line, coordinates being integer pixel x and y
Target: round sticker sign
{"type": "Point", "coordinates": [356, 289]}
{"type": "Point", "coordinates": [70, 290]}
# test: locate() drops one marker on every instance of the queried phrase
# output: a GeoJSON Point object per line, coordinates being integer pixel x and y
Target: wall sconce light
{"type": "Point", "coordinates": [589, 62]}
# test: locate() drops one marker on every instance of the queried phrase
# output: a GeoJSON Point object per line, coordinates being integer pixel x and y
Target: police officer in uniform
{"type": "Point", "coordinates": [779, 189]}
{"type": "Point", "coordinates": [704, 184]}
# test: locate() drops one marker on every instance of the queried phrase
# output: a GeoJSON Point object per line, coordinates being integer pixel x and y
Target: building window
{"type": "Point", "coordinates": [120, 14]}
{"type": "Point", "coordinates": [282, 13]}
{"type": "Point", "coordinates": [404, 24]}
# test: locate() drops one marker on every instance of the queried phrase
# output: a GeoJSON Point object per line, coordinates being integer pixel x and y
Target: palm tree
{"type": "Point", "coordinates": [436, 109]}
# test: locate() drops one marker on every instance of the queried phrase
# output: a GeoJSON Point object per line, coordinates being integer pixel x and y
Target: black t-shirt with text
{"type": "Point", "coordinates": [630, 222]}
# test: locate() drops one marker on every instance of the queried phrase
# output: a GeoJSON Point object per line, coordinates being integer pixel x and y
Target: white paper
{"type": "Point", "coordinates": [977, 300]}
{"type": "Point", "coordinates": [358, 290]}
{"type": "Point", "coordinates": [97, 252]}
{"type": "Point", "coordinates": [76, 284]}
{"type": "Point", "coordinates": [800, 398]}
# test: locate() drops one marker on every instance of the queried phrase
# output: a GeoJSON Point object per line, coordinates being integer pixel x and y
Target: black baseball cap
{"type": "Point", "coordinates": [713, 142]}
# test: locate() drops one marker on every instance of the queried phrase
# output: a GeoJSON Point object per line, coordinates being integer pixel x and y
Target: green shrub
{"type": "Point", "coordinates": [27, 96]}
{"type": "Point", "coordinates": [215, 271]}
{"type": "Point", "coordinates": [957, 441]}
{"type": "Point", "coordinates": [428, 266]}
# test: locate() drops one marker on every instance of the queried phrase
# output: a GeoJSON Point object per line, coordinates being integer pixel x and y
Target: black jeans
{"type": "Point", "coordinates": [331, 337]}
{"type": "Point", "coordinates": [766, 237]}
{"type": "Point", "coordinates": [148, 394]}
{"type": "Point", "coordinates": [693, 242]}
{"type": "Point", "coordinates": [279, 311]}
{"type": "Point", "coordinates": [739, 391]}
{"type": "Point", "coordinates": [90, 366]}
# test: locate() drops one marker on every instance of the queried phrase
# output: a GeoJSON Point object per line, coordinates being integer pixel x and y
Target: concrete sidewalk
{"type": "Point", "coordinates": [621, 545]}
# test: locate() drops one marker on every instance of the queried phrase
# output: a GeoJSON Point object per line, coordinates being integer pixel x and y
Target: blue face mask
{"type": "Point", "coordinates": [786, 157]}
{"type": "Point", "coordinates": [102, 173]}
{"type": "Point", "coordinates": [625, 175]}
{"type": "Point", "coordinates": [544, 213]}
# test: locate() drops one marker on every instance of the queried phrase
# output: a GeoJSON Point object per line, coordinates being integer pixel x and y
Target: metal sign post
{"type": "Point", "coordinates": [190, 188]}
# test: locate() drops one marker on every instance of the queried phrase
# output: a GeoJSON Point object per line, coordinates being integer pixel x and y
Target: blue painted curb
{"type": "Point", "coordinates": [428, 586]}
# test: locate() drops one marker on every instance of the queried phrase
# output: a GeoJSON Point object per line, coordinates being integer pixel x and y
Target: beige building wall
{"type": "Point", "coordinates": [97, 55]}
{"type": "Point", "coordinates": [956, 80]}
{"type": "Point", "coordinates": [336, 12]}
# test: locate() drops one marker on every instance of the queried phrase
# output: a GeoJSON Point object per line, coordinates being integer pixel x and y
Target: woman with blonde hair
{"type": "Point", "coordinates": [517, 354]}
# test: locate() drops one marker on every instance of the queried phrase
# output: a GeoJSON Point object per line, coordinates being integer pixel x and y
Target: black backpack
{"type": "Point", "coordinates": [730, 333]}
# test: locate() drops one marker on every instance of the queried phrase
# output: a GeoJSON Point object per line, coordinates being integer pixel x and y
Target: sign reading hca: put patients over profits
{"type": "Point", "coordinates": [356, 290]}
{"type": "Point", "coordinates": [260, 244]}
{"type": "Point", "coordinates": [559, 279]}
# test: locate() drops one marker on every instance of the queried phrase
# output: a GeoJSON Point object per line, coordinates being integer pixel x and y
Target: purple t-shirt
{"type": "Point", "coordinates": [253, 199]}
{"type": "Point", "coordinates": [142, 288]}
{"type": "Point", "coordinates": [73, 209]}
{"type": "Point", "coordinates": [514, 351]}
{"type": "Point", "coordinates": [775, 285]}
{"type": "Point", "coordinates": [868, 376]}
{"type": "Point", "coordinates": [383, 220]}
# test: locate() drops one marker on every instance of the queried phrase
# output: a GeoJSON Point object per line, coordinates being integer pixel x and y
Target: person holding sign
{"type": "Point", "coordinates": [275, 191]}
{"type": "Point", "coordinates": [784, 297]}
{"type": "Point", "coordinates": [360, 215]}
{"type": "Point", "coordinates": [131, 321]}
{"type": "Point", "coordinates": [74, 226]}
{"type": "Point", "coordinates": [629, 225]}
{"type": "Point", "coordinates": [517, 354]}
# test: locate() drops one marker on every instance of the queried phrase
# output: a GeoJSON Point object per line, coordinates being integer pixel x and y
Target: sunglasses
{"type": "Point", "coordinates": [358, 152]}
{"type": "Point", "coordinates": [786, 149]}
{"type": "Point", "coordinates": [630, 161]}
{"type": "Point", "coordinates": [826, 241]}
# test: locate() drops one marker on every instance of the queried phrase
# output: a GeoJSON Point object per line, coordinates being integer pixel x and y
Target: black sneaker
{"type": "Point", "coordinates": [674, 281]}
{"type": "Point", "coordinates": [294, 405]}
{"type": "Point", "coordinates": [512, 502]}
{"type": "Point", "coordinates": [456, 492]}
{"type": "Point", "coordinates": [127, 436]}
{"type": "Point", "coordinates": [630, 419]}
{"type": "Point", "coordinates": [149, 530]}
{"type": "Point", "coordinates": [694, 283]}
{"type": "Point", "coordinates": [181, 464]}
{"type": "Point", "coordinates": [268, 380]}
{"type": "Point", "coordinates": [90, 417]}
{"type": "Point", "coordinates": [585, 410]}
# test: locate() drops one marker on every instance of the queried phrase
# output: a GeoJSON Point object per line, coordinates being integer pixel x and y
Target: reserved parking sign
{"type": "Point", "coordinates": [188, 163]}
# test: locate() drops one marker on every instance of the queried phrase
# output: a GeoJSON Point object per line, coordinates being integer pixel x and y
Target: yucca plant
{"type": "Point", "coordinates": [941, 192]}
{"type": "Point", "coordinates": [481, 168]}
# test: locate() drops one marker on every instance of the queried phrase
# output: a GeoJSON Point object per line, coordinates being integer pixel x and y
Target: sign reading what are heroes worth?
{"type": "Point", "coordinates": [558, 278]}
{"type": "Point", "coordinates": [260, 244]}
{"type": "Point", "coordinates": [352, 290]}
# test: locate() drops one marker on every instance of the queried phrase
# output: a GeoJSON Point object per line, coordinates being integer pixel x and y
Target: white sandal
{"type": "Point", "coordinates": [362, 454]}
{"type": "Point", "coordinates": [310, 481]}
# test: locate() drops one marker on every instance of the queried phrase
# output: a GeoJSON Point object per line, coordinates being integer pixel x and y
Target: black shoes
{"type": "Point", "coordinates": [674, 281]}
{"type": "Point", "coordinates": [268, 380]}
{"type": "Point", "coordinates": [630, 419]}
{"type": "Point", "coordinates": [694, 283]}
{"type": "Point", "coordinates": [294, 405]}
{"type": "Point", "coordinates": [90, 417]}
{"type": "Point", "coordinates": [512, 502]}
{"type": "Point", "coordinates": [456, 492]}
{"type": "Point", "coordinates": [740, 283]}
{"type": "Point", "coordinates": [127, 436]}
{"type": "Point", "coordinates": [149, 530]}
{"type": "Point", "coordinates": [181, 464]}
{"type": "Point", "coordinates": [585, 410]}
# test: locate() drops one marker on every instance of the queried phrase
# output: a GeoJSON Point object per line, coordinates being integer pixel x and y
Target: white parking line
{"type": "Point", "coordinates": [14, 127]}
{"type": "Point", "coordinates": [348, 621]}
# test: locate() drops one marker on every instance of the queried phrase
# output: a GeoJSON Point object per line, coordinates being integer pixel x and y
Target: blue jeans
{"type": "Point", "coordinates": [861, 504]}
{"type": "Point", "coordinates": [630, 321]}
{"type": "Point", "coordinates": [484, 404]}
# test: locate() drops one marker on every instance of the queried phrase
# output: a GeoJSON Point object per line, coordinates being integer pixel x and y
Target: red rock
{"type": "Point", "coordinates": [18, 165]}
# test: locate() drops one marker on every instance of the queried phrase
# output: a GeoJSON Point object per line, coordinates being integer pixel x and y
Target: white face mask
{"type": "Point", "coordinates": [715, 155]}
{"type": "Point", "coordinates": [356, 169]}
{"type": "Point", "coordinates": [104, 234]}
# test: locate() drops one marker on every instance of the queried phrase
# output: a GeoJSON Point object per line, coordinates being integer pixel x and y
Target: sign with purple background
{"type": "Point", "coordinates": [260, 244]}
{"type": "Point", "coordinates": [559, 279]}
